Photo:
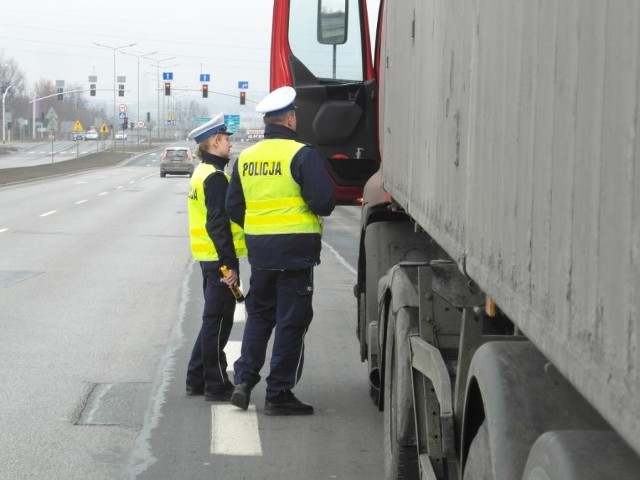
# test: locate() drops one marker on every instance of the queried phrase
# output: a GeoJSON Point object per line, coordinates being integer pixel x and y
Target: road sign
{"type": "Point", "coordinates": [167, 75]}
{"type": "Point", "coordinates": [140, 124]}
{"type": "Point", "coordinates": [122, 114]}
{"type": "Point", "coordinates": [104, 128]}
{"type": "Point", "coordinates": [243, 85]}
{"type": "Point", "coordinates": [205, 77]}
{"type": "Point", "coordinates": [232, 122]}
{"type": "Point", "coordinates": [122, 107]}
{"type": "Point", "coordinates": [77, 127]}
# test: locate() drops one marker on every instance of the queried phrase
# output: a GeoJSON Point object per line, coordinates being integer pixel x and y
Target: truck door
{"type": "Point", "coordinates": [322, 49]}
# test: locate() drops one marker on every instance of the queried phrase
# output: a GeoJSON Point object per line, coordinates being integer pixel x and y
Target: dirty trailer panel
{"type": "Point", "coordinates": [509, 132]}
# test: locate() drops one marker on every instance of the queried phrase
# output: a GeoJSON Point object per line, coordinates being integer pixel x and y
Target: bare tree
{"type": "Point", "coordinates": [11, 75]}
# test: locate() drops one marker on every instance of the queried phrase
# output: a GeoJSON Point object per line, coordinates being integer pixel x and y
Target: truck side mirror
{"type": "Point", "coordinates": [332, 21]}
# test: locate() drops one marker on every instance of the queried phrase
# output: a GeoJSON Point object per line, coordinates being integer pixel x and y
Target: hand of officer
{"type": "Point", "coordinates": [232, 278]}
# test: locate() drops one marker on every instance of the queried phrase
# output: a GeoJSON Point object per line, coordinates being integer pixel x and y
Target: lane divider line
{"type": "Point", "coordinates": [235, 431]}
{"type": "Point", "coordinates": [46, 214]}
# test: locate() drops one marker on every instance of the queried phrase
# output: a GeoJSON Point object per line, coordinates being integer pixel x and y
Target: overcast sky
{"type": "Point", "coordinates": [55, 40]}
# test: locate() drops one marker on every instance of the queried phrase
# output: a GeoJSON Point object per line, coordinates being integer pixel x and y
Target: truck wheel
{"type": "Point", "coordinates": [362, 327]}
{"type": "Point", "coordinates": [478, 466]}
{"type": "Point", "coordinates": [581, 455]}
{"type": "Point", "coordinates": [401, 455]}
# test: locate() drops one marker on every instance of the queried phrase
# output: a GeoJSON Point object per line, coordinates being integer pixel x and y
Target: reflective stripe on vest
{"type": "Point", "coordinates": [202, 248]}
{"type": "Point", "coordinates": [273, 199]}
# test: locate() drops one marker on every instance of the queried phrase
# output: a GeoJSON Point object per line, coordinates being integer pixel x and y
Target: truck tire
{"type": "Point", "coordinates": [581, 455]}
{"type": "Point", "coordinates": [362, 326]}
{"type": "Point", "coordinates": [401, 455]}
{"type": "Point", "coordinates": [478, 466]}
{"type": "Point", "coordinates": [386, 243]}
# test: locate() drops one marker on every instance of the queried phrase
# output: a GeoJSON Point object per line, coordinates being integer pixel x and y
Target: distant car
{"type": "Point", "coordinates": [176, 160]}
{"type": "Point", "coordinates": [91, 135]}
{"type": "Point", "coordinates": [121, 135]}
{"type": "Point", "coordinates": [78, 136]}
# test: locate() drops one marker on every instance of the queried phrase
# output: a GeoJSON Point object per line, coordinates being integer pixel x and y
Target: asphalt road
{"type": "Point", "coordinates": [23, 162]}
{"type": "Point", "coordinates": [101, 303]}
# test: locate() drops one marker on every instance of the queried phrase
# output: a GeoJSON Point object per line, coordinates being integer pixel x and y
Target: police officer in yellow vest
{"type": "Point", "coordinates": [215, 241]}
{"type": "Point", "coordinates": [278, 191]}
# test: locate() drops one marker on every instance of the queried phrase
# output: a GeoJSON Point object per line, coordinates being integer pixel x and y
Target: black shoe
{"type": "Point", "coordinates": [219, 395]}
{"type": "Point", "coordinates": [285, 403]}
{"type": "Point", "coordinates": [241, 394]}
{"type": "Point", "coordinates": [192, 391]}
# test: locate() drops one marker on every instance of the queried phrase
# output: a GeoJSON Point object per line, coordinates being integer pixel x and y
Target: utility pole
{"type": "Point", "coordinates": [158, 62]}
{"type": "Point", "coordinates": [4, 98]}
{"type": "Point", "coordinates": [4, 123]}
{"type": "Point", "coordinates": [115, 49]}
{"type": "Point", "coordinates": [138, 100]}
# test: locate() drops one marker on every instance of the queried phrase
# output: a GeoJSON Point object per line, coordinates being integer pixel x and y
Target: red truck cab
{"type": "Point", "coordinates": [326, 57]}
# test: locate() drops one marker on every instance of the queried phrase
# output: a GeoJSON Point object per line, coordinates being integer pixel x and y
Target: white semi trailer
{"type": "Point", "coordinates": [499, 273]}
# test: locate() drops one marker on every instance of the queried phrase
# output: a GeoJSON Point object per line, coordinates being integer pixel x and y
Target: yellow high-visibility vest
{"type": "Point", "coordinates": [273, 199]}
{"type": "Point", "coordinates": [202, 247]}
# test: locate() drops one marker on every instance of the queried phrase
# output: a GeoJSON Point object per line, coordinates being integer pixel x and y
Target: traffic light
{"type": "Point", "coordinates": [205, 91]}
{"type": "Point", "coordinates": [92, 89]}
{"type": "Point", "coordinates": [167, 88]}
{"type": "Point", "coordinates": [60, 94]}
{"type": "Point", "coordinates": [148, 117]}
{"type": "Point", "coordinates": [125, 123]}
{"type": "Point", "coordinates": [131, 125]}
{"type": "Point", "coordinates": [121, 90]}
{"type": "Point", "coordinates": [243, 98]}
{"type": "Point", "coordinates": [9, 125]}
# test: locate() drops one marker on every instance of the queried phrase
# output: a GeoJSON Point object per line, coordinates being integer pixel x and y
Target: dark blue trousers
{"type": "Point", "coordinates": [280, 300]}
{"type": "Point", "coordinates": [208, 364]}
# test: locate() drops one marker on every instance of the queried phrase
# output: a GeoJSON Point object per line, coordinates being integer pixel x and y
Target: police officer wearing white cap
{"type": "Point", "coordinates": [278, 191]}
{"type": "Point", "coordinates": [215, 241]}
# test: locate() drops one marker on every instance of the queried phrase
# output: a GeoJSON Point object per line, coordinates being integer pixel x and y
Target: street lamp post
{"type": "Point", "coordinates": [115, 49]}
{"type": "Point", "coordinates": [158, 61]}
{"type": "Point", "coordinates": [4, 98]}
{"type": "Point", "coordinates": [4, 123]}
{"type": "Point", "coordinates": [138, 100]}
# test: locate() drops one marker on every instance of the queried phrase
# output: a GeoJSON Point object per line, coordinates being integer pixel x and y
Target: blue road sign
{"type": "Point", "coordinates": [205, 77]}
{"type": "Point", "coordinates": [167, 75]}
{"type": "Point", "coordinates": [243, 85]}
{"type": "Point", "coordinates": [232, 122]}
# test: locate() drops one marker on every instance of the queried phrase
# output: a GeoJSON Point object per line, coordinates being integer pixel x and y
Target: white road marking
{"type": "Point", "coordinates": [81, 201]}
{"type": "Point", "coordinates": [103, 193]}
{"type": "Point", "coordinates": [232, 351]}
{"type": "Point", "coordinates": [240, 314]}
{"type": "Point", "coordinates": [119, 187]}
{"type": "Point", "coordinates": [2, 230]}
{"type": "Point", "coordinates": [46, 214]}
{"type": "Point", "coordinates": [235, 431]}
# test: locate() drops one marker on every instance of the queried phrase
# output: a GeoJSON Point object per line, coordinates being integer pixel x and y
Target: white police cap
{"type": "Point", "coordinates": [278, 101]}
{"type": "Point", "coordinates": [213, 126]}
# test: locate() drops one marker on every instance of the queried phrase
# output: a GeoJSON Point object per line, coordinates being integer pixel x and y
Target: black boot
{"type": "Point", "coordinates": [219, 395]}
{"type": "Point", "coordinates": [241, 395]}
{"type": "Point", "coordinates": [285, 403]}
